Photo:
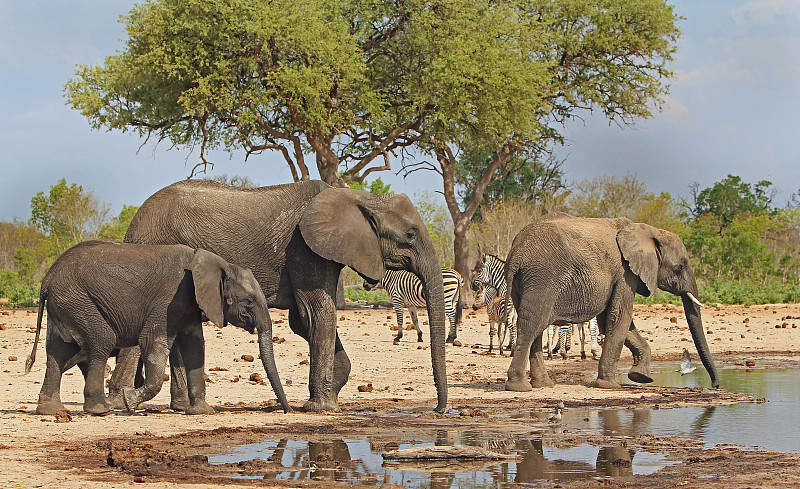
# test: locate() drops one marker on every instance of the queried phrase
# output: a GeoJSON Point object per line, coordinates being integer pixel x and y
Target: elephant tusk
{"type": "Point", "coordinates": [694, 299]}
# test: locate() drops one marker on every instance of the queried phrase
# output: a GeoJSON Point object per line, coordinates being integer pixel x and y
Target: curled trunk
{"type": "Point", "coordinates": [430, 274]}
{"type": "Point", "coordinates": [699, 337]}
{"type": "Point", "coordinates": [268, 361]}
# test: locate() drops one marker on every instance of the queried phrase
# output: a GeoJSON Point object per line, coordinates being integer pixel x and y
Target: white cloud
{"type": "Point", "coordinates": [764, 12]}
{"type": "Point", "coordinates": [676, 113]}
{"type": "Point", "coordinates": [719, 71]}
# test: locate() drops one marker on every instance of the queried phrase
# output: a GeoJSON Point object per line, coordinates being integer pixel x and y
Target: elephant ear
{"type": "Point", "coordinates": [639, 248]}
{"type": "Point", "coordinates": [337, 227]}
{"type": "Point", "coordinates": [208, 272]}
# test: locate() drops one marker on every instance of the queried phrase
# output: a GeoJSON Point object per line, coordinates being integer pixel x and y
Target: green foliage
{"type": "Point", "coordinates": [67, 215]}
{"type": "Point", "coordinates": [118, 226]}
{"type": "Point", "coordinates": [730, 198]}
{"type": "Point", "coordinates": [374, 187]}
{"type": "Point", "coordinates": [524, 178]}
{"type": "Point", "coordinates": [355, 294]}
{"type": "Point", "coordinates": [440, 226]}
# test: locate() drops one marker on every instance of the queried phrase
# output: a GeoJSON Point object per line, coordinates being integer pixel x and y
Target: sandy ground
{"type": "Point", "coordinates": [38, 451]}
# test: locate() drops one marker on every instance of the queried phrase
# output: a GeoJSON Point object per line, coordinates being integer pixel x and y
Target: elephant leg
{"type": "Point", "coordinates": [94, 397]}
{"type": "Point", "coordinates": [640, 349]}
{"type": "Point", "coordinates": [325, 365]}
{"type": "Point", "coordinates": [191, 348]}
{"type": "Point", "coordinates": [123, 376]}
{"type": "Point", "coordinates": [178, 385]}
{"type": "Point", "coordinates": [59, 354]}
{"type": "Point", "coordinates": [154, 355]}
{"type": "Point", "coordinates": [528, 348]}
{"type": "Point", "coordinates": [617, 321]}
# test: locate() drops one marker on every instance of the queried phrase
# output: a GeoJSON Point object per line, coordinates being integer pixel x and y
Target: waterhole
{"type": "Point", "coordinates": [359, 460]}
{"type": "Point", "coordinates": [770, 425]}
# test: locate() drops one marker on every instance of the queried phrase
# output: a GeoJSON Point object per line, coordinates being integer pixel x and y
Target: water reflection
{"type": "Point", "coordinates": [768, 425]}
{"type": "Point", "coordinates": [360, 461]}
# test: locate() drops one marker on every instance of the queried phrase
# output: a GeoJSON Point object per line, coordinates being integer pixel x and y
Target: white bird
{"type": "Point", "coordinates": [686, 363]}
{"type": "Point", "coordinates": [555, 418]}
{"type": "Point", "coordinates": [561, 405]}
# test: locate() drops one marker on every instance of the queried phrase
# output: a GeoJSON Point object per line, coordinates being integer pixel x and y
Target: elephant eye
{"type": "Point", "coordinates": [411, 234]}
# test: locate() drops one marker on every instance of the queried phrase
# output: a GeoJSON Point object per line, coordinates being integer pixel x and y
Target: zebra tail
{"type": "Point", "coordinates": [459, 307]}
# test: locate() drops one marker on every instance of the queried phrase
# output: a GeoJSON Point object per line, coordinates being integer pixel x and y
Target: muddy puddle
{"type": "Point", "coordinates": [588, 443]}
{"type": "Point", "coordinates": [359, 461]}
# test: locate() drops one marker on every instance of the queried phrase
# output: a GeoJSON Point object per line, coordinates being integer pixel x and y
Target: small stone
{"type": "Point", "coordinates": [365, 388]}
{"type": "Point", "coordinates": [746, 320]}
{"type": "Point", "coordinates": [750, 363]}
{"type": "Point", "coordinates": [63, 416]}
{"type": "Point", "coordinates": [2, 326]}
{"type": "Point", "coordinates": [673, 319]}
{"type": "Point", "coordinates": [248, 358]}
{"type": "Point", "coordinates": [278, 340]}
{"type": "Point", "coordinates": [288, 382]}
{"type": "Point", "coordinates": [303, 362]}
{"type": "Point", "coordinates": [456, 343]}
{"type": "Point", "coordinates": [12, 358]}
{"type": "Point", "coordinates": [256, 378]}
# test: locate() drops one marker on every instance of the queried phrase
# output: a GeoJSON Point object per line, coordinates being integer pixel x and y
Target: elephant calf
{"type": "Point", "coordinates": [105, 295]}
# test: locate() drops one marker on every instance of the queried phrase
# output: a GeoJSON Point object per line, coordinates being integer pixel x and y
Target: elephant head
{"type": "Point", "coordinates": [660, 261]}
{"type": "Point", "coordinates": [372, 233]}
{"type": "Point", "coordinates": [228, 293]}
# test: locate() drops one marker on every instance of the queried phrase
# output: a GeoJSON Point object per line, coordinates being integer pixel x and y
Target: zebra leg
{"type": "Point", "coordinates": [563, 334]}
{"type": "Point", "coordinates": [398, 311]}
{"type": "Point", "coordinates": [582, 339]}
{"type": "Point", "coordinates": [593, 345]}
{"type": "Point", "coordinates": [491, 336]}
{"type": "Point", "coordinates": [550, 334]}
{"type": "Point", "coordinates": [412, 310]}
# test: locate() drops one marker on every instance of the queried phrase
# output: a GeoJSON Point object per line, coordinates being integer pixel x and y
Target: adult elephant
{"type": "Point", "coordinates": [296, 238]}
{"type": "Point", "coordinates": [564, 269]}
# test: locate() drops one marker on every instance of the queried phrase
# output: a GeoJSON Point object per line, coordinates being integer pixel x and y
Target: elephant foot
{"type": "Point", "coordinates": [180, 405]}
{"type": "Point", "coordinates": [116, 400]}
{"type": "Point", "coordinates": [318, 405]}
{"type": "Point", "coordinates": [542, 382]}
{"type": "Point", "coordinates": [605, 384]}
{"type": "Point", "coordinates": [518, 385]}
{"type": "Point", "coordinates": [640, 372]}
{"type": "Point", "coordinates": [49, 407]}
{"type": "Point", "coordinates": [200, 407]}
{"type": "Point", "coordinates": [131, 403]}
{"type": "Point", "coordinates": [639, 377]}
{"type": "Point", "coordinates": [96, 407]}
{"type": "Point", "coordinates": [583, 355]}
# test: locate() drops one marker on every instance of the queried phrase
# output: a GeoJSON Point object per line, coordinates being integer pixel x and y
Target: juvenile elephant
{"type": "Point", "coordinates": [296, 238]}
{"type": "Point", "coordinates": [564, 269]}
{"type": "Point", "coordinates": [103, 295]}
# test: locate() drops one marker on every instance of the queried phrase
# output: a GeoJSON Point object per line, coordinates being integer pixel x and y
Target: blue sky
{"type": "Point", "coordinates": [733, 109]}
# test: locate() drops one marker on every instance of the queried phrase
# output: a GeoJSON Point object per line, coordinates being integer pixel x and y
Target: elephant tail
{"type": "Point", "coordinates": [32, 356]}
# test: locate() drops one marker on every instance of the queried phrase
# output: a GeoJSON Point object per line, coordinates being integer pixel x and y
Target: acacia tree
{"type": "Point", "coordinates": [353, 82]}
{"type": "Point", "coordinates": [550, 61]}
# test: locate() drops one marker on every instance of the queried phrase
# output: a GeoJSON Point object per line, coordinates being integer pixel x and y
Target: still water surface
{"type": "Point", "coordinates": [773, 425]}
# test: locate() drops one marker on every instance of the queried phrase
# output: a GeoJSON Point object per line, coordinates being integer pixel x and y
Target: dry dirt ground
{"type": "Point", "coordinates": [162, 447]}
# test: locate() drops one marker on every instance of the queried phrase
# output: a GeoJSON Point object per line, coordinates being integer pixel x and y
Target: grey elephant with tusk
{"type": "Point", "coordinates": [296, 238]}
{"type": "Point", "coordinates": [564, 269]}
{"type": "Point", "coordinates": [105, 295]}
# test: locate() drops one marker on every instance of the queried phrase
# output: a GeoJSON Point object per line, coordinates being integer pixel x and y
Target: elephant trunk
{"type": "Point", "coordinates": [698, 334]}
{"type": "Point", "coordinates": [430, 274]}
{"type": "Point", "coordinates": [268, 360]}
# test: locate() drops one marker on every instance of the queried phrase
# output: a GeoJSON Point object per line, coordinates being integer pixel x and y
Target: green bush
{"type": "Point", "coordinates": [359, 294]}
{"type": "Point", "coordinates": [17, 292]}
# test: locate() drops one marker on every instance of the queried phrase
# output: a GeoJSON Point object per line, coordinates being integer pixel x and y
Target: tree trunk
{"type": "Point", "coordinates": [461, 259]}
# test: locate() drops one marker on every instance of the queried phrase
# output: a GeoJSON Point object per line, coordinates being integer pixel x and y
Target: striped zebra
{"type": "Point", "coordinates": [565, 339]}
{"type": "Point", "coordinates": [490, 274]}
{"type": "Point", "coordinates": [496, 310]}
{"type": "Point", "coordinates": [405, 290]}
{"type": "Point", "coordinates": [490, 281]}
